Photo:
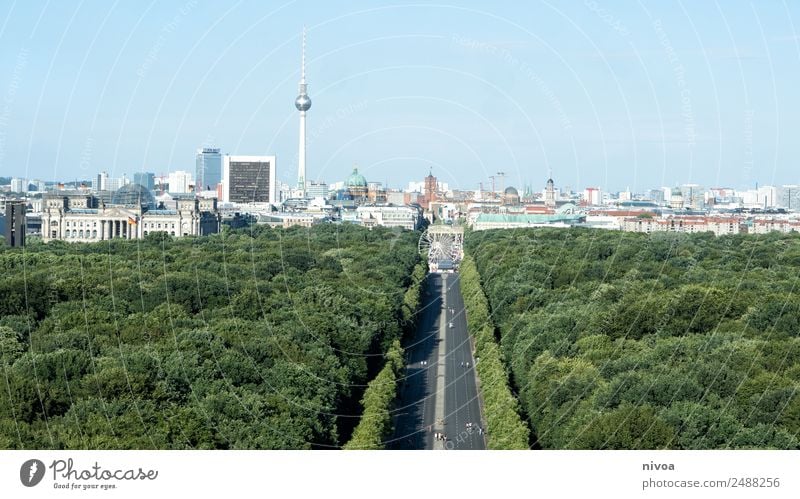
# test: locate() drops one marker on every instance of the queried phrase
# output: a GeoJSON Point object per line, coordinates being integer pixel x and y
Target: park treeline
{"type": "Point", "coordinates": [375, 426]}
{"type": "Point", "coordinates": [250, 339]}
{"type": "Point", "coordinates": [634, 341]}
{"type": "Point", "coordinates": [505, 429]}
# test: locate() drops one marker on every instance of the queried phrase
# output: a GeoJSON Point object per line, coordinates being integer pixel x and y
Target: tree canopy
{"type": "Point", "coordinates": [250, 339]}
{"type": "Point", "coordinates": [623, 340]}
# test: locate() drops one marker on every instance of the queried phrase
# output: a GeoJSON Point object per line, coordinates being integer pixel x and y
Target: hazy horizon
{"type": "Point", "coordinates": [616, 95]}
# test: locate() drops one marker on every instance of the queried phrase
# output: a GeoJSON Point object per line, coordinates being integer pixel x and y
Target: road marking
{"type": "Point", "coordinates": [440, 369]}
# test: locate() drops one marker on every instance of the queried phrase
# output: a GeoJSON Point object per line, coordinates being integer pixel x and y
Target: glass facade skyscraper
{"type": "Point", "coordinates": [209, 169]}
{"type": "Point", "coordinates": [145, 179]}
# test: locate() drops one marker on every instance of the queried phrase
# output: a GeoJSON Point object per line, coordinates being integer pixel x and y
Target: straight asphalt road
{"type": "Point", "coordinates": [439, 392]}
{"type": "Point", "coordinates": [462, 407]}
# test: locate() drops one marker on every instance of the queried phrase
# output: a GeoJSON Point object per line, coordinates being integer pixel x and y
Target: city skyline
{"type": "Point", "coordinates": [609, 97]}
{"type": "Point", "coordinates": [541, 226]}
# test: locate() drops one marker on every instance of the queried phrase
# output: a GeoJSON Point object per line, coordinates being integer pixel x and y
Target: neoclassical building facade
{"type": "Point", "coordinates": [82, 218]}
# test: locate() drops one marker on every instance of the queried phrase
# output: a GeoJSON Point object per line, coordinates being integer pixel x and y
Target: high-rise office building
{"type": "Point", "coordinates": [789, 197]}
{"type": "Point", "coordinates": [19, 185]}
{"type": "Point", "coordinates": [208, 172]}
{"type": "Point", "coordinates": [767, 196]}
{"type": "Point", "coordinates": [15, 224]}
{"type": "Point", "coordinates": [145, 179]}
{"type": "Point", "coordinates": [693, 196]}
{"type": "Point", "coordinates": [103, 182]}
{"type": "Point", "coordinates": [593, 196]}
{"type": "Point", "coordinates": [100, 182]}
{"type": "Point", "coordinates": [179, 182]}
{"type": "Point", "coordinates": [657, 196]}
{"type": "Point", "coordinates": [248, 179]}
{"type": "Point", "coordinates": [317, 190]}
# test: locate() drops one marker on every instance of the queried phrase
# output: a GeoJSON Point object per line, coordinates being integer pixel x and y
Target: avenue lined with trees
{"type": "Point", "coordinates": [285, 339]}
{"type": "Point", "coordinates": [505, 429]}
{"type": "Point", "coordinates": [375, 426]}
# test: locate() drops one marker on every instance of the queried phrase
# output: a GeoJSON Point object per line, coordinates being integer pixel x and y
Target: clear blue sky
{"type": "Point", "coordinates": [602, 93]}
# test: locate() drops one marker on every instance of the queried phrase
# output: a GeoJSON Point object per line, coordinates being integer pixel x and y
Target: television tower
{"type": "Point", "coordinates": [303, 104]}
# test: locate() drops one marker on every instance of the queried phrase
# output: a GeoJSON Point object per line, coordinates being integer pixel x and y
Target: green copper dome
{"type": "Point", "coordinates": [356, 179]}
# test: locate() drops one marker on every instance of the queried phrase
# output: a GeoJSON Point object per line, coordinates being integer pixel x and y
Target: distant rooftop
{"type": "Point", "coordinates": [527, 219]}
{"type": "Point", "coordinates": [643, 204]}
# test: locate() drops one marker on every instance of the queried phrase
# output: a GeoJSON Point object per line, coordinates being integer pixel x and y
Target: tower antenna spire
{"type": "Point", "coordinates": [303, 63]}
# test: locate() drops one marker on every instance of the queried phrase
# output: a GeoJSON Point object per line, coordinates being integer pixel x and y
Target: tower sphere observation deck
{"type": "Point", "coordinates": [302, 102]}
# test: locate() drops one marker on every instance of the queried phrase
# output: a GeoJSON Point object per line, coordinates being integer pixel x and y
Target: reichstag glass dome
{"type": "Point", "coordinates": [133, 195]}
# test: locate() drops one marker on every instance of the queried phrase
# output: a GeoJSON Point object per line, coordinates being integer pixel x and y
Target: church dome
{"type": "Point", "coordinates": [510, 191]}
{"type": "Point", "coordinates": [134, 195]}
{"type": "Point", "coordinates": [356, 179]}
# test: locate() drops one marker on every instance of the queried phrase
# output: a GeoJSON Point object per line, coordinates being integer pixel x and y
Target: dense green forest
{"type": "Point", "coordinates": [624, 341]}
{"type": "Point", "coordinates": [262, 338]}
